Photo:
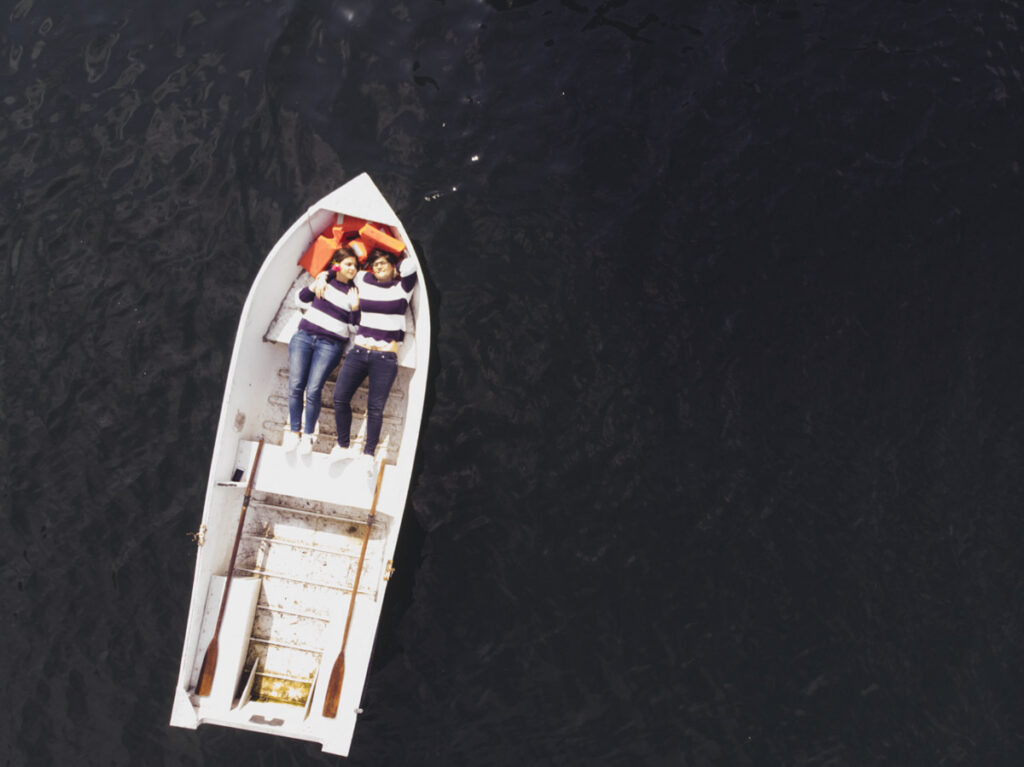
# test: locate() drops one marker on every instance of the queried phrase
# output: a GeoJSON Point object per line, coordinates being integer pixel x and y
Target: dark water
{"type": "Point", "coordinates": [722, 458]}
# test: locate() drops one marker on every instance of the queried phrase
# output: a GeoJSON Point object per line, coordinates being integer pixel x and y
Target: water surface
{"type": "Point", "coordinates": [721, 458]}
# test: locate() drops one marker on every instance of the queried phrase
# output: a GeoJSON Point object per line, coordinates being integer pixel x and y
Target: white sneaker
{"type": "Point", "coordinates": [339, 453]}
{"type": "Point", "coordinates": [290, 440]}
{"type": "Point", "coordinates": [306, 444]}
{"type": "Point", "coordinates": [366, 465]}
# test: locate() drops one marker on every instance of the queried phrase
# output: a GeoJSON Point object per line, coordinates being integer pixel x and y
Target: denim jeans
{"type": "Point", "coordinates": [382, 368]}
{"type": "Point", "coordinates": [311, 358]}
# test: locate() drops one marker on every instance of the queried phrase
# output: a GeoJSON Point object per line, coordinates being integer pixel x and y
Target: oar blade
{"type": "Point", "coordinates": [205, 684]}
{"type": "Point", "coordinates": [334, 687]}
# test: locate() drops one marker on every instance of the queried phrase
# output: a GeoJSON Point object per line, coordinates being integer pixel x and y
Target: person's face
{"type": "Point", "coordinates": [346, 269]}
{"type": "Point", "coordinates": [383, 270]}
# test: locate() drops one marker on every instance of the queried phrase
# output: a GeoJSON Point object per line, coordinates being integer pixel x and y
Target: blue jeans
{"type": "Point", "coordinates": [311, 358]}
{"type": "Point", "coordinates": [382, 368]}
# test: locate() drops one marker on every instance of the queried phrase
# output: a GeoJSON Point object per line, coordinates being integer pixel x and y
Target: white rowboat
{"type": "Point", "coordinates": [308, 522]}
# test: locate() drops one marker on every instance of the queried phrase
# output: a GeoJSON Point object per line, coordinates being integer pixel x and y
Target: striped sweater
{"type": "Point", "coordinates": [332, 315]}
{"type": "Point", "coordinates": [382, 306]}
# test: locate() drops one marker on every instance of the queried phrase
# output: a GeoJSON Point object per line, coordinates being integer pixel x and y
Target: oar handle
{"type": "Point", "coordinates": [238, 532]}
{"type": "Point", "coordinates": [362, 556]}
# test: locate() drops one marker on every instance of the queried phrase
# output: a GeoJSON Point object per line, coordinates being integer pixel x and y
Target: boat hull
{"type": "Point", "coordinates": [290, 591]}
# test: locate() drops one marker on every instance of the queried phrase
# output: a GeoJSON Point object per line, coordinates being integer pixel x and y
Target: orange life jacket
{"type": "Point", "coordinates": [318, 255]}
{"type": "Point", "coordinates": [376, 237]}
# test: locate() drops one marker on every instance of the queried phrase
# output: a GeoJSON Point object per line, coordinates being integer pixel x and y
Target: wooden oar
{"type": "Point", "coordinates": [206, 671]}
{"type": "Point", "coordinates": [338, 671]}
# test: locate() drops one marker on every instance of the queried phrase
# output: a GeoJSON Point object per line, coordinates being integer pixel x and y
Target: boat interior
{"type": "Point", "coordinates": [300, 544]}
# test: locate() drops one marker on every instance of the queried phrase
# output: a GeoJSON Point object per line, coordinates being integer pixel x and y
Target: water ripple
{"type": "Point", "coordinates": [720, 460]}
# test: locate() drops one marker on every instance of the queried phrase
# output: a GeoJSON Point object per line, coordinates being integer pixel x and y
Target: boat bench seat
{"type": "Point", "coordinates": [286, 322]}
{"type": "Point", "coordinates": [315, 477]}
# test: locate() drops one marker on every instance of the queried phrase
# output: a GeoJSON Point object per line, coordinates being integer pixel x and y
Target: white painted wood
{"type": "Point", "coordinates": [307, 515]}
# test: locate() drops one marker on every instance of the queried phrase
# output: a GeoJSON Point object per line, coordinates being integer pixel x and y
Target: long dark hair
{"type": "Point", "coordinates": [342, 253]}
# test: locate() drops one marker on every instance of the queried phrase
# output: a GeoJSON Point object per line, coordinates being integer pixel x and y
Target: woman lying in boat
{"type": "Point", "coordinates": [316, 348]}
{"type": "Point", "coordinates": [385, 288]}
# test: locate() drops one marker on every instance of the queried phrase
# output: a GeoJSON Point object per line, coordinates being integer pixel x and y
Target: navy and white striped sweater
{"type": "Point", "coordinates": [332, 315]}
{"type": "Point", "coordinates": [382, 306]}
